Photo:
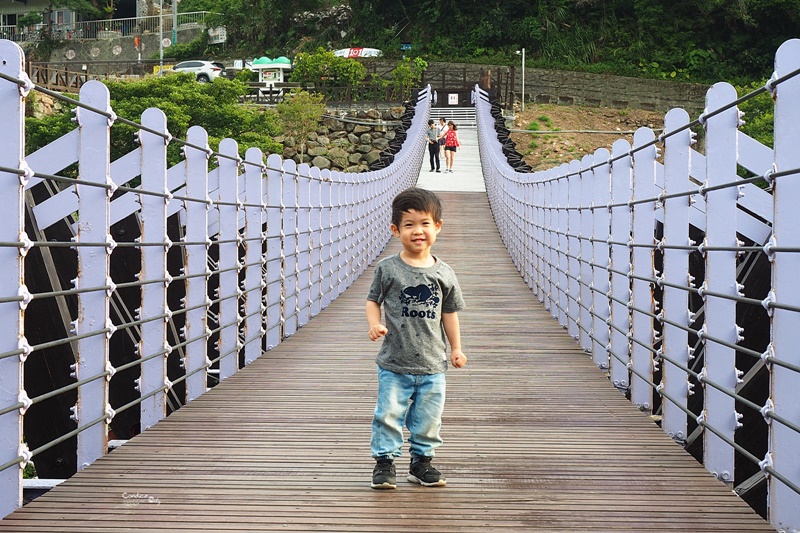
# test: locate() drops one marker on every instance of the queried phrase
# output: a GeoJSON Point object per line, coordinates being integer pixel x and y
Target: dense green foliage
{"type": "Point", "coordinates": [698, 40]}
{"type": "Point", "coordinates": [323, 67]}
{"type": "Point", "coordinates": [185, 102]}
{"type": "Point", "coordinates": [759, 113]}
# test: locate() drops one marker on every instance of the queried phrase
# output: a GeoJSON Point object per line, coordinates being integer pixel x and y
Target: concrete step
{"type": "Point", "coordinates": [462, 116]}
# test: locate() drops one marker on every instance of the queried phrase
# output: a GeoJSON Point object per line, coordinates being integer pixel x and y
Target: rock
{"type": "Point", "coordinates": [354, 158]}
{"type": "Point", "coordinates": [352, 138]}
{"type": "Point", "coordinates": [333, 124]}
{"type": "Point", "coordinates": [380, 144]}
{"type": "Point", "coordinates": [337, 155]}
{"type": "Point", "coordinates": [364, 148]}
{"type": "Point", "coordinates": [321, 162]}
{"type": "Point", "coordinates": [323, 140]}
{"type": "Point", "coordinates": [314, 151]}
{"type": "Point", "coordinates": [374, 114]}
{"type": "Point", "coordinates": [371, 157]}
{"type": "Point", "coordinates": [366, 138]}
{"type": "Point", "coordinates": [289, 142]}
{"type": "Point", "coordinates": [359, 129]}
{"type": "Point", "coordinates": [289, 152]}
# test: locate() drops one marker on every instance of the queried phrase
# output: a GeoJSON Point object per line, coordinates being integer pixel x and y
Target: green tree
{"type": "Point", "coordinates": [301, 112]}
{"type": "Point", "coordinates": [407, 75]}
{"type": "Point", "coordinates": [323, 67]}
{"type": "Point", "coordinates": [214, 106]}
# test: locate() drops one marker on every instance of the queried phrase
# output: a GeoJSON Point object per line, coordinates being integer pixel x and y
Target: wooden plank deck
{"type": "Point", "coordinates": [536, 438]}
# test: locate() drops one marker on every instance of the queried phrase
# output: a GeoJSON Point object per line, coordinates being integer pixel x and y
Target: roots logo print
{"type": "Point", "coordinates": [421, 295]}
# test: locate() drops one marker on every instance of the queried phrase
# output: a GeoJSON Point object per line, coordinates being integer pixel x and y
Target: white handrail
{"type": "Point", "coordinates": [606, 244]}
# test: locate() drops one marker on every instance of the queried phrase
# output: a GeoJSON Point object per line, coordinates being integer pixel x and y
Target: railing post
{"type": "Point", "coordinates": [254, 258]}
{"type": "Point", "coordinates": [340, 191]}
{"type": "Point", "coordinates": [585, 238]}
{"type": "Point", "coordinates": [531, 229]}
{"type": "Point", "coordinates": [573, 250]}
{"type": "Point", "coordinates": [229, 266]}
{"type": "Point", "coordinates": [551, 242]}
{"type": "Point", "coordinates": [196, 264]}
{"type": "Point", "coordinates": [289, 254]}
{"type": "Point", "coordinates": [620, 263]}
{"type": "Point", "coordinates": [536, 198]}
{"type": "Point", "coordinates": [326, 238]}
{"type": "Point", "coordinates": [12, 339]}
{"type": "Point", "coordinates": [563, 245]}
{"type": "Point", "coordinates": [274, 244]}
{"type": "Point", "coordinates": [93, 271]}
{"type": "Point", "coordinates": [303, 264]}
{"type": "Point", "coordinates": [720, 312]}
{"type": "Point", "coordinates": [675, 311]}
{"type": "Point", "coordinates": [349, 230]}
{"type": "Point", "coordinates": [644, 178]}
{"type": "Point", "coordinates": [315, 244]}
{"type": "Point", "coordinates": [153, 347]}
{"type": "Point", "coordinates": [359, 263]}
{"type": "Point", "coordinates": [601, 196]}
{"type": "Point", "coordinates": [784, 443]}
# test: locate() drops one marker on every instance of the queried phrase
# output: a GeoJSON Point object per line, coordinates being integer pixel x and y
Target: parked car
{"type": "Point", "coordinates": [204, 70]}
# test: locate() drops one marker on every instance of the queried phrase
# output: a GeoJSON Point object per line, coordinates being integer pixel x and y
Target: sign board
{"type": "Point", "coordinates": [358, 52]}
{"type": "Point", "coordinates": [452, 99]}
{"type": "Point", "coordinates": [217, 35]}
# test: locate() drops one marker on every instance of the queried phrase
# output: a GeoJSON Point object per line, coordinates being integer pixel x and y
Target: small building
{"type": "Point", "coordinates": [271, 71]}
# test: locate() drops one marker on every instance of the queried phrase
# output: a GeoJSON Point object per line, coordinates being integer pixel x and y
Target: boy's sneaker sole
{"type": "Point", "coordinates": [383, 486]}
{"type": "Point", "coordinates": [414, 479]}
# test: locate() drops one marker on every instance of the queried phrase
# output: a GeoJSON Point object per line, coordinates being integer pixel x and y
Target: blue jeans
{"type": "Point", "coordinates": [416, 400]}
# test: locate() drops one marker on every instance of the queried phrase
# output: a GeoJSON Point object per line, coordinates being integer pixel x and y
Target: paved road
{"type": "Point", "coordinates": [467, 175]}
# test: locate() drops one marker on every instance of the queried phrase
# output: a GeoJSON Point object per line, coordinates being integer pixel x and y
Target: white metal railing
{"type": "Point", "coordinates": [649, 266]}
{"type": "Point", "coordinates": [261, 249]}
{"type": "Point", "coordinates": [106, 29]}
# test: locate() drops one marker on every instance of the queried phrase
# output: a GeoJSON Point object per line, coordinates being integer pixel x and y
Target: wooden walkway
{"type": "Point", "coordinates": [536, 438]}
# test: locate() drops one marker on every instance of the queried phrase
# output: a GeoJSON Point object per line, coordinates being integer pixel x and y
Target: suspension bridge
{"type": "Point", "coordinates": [590, 323]}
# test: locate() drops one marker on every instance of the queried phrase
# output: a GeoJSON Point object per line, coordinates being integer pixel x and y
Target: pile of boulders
{"type": "Point", "coordinates": [351, 142]}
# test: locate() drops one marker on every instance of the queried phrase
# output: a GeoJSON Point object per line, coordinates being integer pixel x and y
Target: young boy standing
{"type": "Point", "coordinates": [421, 299]}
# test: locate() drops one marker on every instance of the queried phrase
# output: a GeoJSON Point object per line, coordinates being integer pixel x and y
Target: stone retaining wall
{"type": "Point", "coordinates": [351, 143]}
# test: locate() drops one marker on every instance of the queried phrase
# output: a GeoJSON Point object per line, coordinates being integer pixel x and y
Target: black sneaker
{"type": "Point", "coordinates": [384, 475]}
{"type": "Point", "coordinates": [421, 471]}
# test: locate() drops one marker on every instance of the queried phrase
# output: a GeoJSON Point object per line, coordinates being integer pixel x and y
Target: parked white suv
{"type": "Point", "coordinates": [204, 70]}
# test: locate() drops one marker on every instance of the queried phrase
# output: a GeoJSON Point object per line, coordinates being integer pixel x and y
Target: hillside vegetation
{"type": "Point", "coordinates": [696, 40]}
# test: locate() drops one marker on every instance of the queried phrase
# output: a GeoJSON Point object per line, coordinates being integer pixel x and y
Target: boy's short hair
{"type": "Point", "coordinates": [430, 122]}
{"type": "Point", "coordinates": [420, 200]}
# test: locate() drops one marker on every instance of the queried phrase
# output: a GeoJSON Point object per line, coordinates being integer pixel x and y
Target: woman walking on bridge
{"type": "Point", "coordinates": [451, 144]}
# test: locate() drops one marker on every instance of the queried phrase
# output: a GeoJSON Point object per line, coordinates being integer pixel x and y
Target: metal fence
{"type": "Point", "coordinates": [106, 29]}
{"type": "Point", "coordinates": [680, 278]}
{"type": "Point", "coordinates": [128, 288]}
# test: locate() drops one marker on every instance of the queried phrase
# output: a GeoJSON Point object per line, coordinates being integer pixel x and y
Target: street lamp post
{"type": "Point", "coordinates": [161, 38]}
{"type": "Point", "coordinates": [523, 79]}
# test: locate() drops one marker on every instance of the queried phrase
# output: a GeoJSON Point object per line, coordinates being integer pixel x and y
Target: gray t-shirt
{"type": "Point", "coordinates": [414, 299]}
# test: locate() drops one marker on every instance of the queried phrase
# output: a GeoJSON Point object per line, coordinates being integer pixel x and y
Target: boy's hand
{"type": "Point", "coordinates": [377, 331]}
{"type": "Point", "coordinates": [458, 358]}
